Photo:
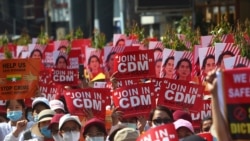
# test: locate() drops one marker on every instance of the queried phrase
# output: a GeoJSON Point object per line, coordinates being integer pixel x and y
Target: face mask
{"type": "Point", "coordinates": [30, 117]}
{"type": "Point", "coordinates": [57, 137]}
{"type": "Point", "coordinates": [35, 118]}
{"type": "Point", "coordinates": [71, 136]}
{"type": "Point", "coordinates": [94, 139]}
{"type": "Point", "coordinates": [46, 132]}
{"type": "Point", "coordinates": [131, 125]}
{"type": "Point", "coordinates": [14, 115]}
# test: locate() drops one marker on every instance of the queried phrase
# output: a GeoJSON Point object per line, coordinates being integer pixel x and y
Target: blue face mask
{"type": "Point", "coordinates": [46, 132]}
{"type": "Point", "coordinates": [14, 115]}
{"type": "Point", "coordinates": [35, 119]}
{"type": "Point", "coordinates": [30, 117]}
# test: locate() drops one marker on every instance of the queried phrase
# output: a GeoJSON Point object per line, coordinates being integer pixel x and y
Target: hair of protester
{"type": "Point", "coordinates": [166, 61]}
{"type": "Point", "coordinates": [59, 57]}
{"type": "Point", "coordinates": [210, 56]}
{"type": "Point", "coordinates": [205, 119]}
{"type": "Point", "coordinates": [93, 56]}
{"type": "Point", "coordinates": [119, 41]}
{"type": "Point", "coordinates": [36, 50]}
{"type": "Point", "coordinates": [109, 56]}
{"type": "Point", "coordinates": [160, 108]}
{"type": "Point", "coordinates": [240, 65]}
{"type": "Point", "coordinates": [184, 60]}
{"type": "Point", "coordinates": [222, 55]}
{"type": "Point", "coordinates": [20, 101]}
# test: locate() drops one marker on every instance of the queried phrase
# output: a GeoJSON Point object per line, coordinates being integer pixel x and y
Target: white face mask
{"type": "Point", "coordinates": [71, 136]}
{"type": "Point", "coordinates": [57, 137]}
{"type": "Point", "coordinates": [130, 125]}
{"type": "Point", "coordinates": [94, 139]}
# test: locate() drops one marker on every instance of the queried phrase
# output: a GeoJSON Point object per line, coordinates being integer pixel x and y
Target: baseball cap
{"type": "Point", "coordinates": [180, 114]}
{"type": "Point", "coordinates": [56, 104]}
{"type": "Point", "coordinates": [94, 121]}
{"type": "Point", "coordinates": [55, 119]}
{"type": "Point", "coordinates": [114, 129]}
{"type": "Point", "coordinates": [68, 117]}
{"type": "Point", "coordinates": [40, 100]}
{"type": "Point", "coordinates": [126, 134]}
{"type": "Point", "coordinates": [44, 115]}
{"type": "Point", "coordinates": [183, 123]}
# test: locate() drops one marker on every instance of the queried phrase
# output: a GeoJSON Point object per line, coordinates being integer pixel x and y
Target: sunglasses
{"type": "Point", "coordinates": [160, 121]}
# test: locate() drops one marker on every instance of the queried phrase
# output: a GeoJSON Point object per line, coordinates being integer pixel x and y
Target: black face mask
{"type": "Point", "coordinates": [206, 129]}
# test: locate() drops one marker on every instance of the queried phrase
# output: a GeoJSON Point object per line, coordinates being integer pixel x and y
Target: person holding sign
{"type": "Point", "coordinates": [160, 115]}
{"type": "Point", "coordinates": [184, 69]}
{"type": "Point", "coordinates": [184, 128]}
{"type": "Point", "coordinates": [15, 113]}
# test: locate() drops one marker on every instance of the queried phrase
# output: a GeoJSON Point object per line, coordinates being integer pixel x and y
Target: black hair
{"type": "Point", "coordinates": [40, 103]}
{"type": "Point", "coordinates": [158, 60]}
{"type": "Point", "coordinates": [157, 49]}
{"type": "Point", "coordinates": [166, 61]}
{"type": "Point", "coordinates": [59, 57]}
{"type": "Point", "coordinates": [160, 108]}
{"type": "Point", "coordinates": [20, 101]}
{"type": "Point", "coordinates": [210, 56]}
{"type": "Point", "coordinates": [119, 41]}
{"type": "Point", "coordinates": [184, 60]}
{"type": "Point", "coordinates": [93, 56]}
{"type": "Point", "coordinates": [222, 55]}
{"type": "Point", "coordinates": [36, 50]}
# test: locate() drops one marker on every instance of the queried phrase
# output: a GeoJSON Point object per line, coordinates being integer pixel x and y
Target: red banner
{"type": "Point", "coordinates": [19, 78]}
{"type": "Point", "coordinates": [65, 76]}
{"type": "Point", "coordinates": [165, 132]}
{"type": "Point", "coordinates": [49, 91]}
{"type": "Point", "coordinates": [95, 99]}
{"type": "Point", "coordinates": [137, 64]}
{"type": "Point", "coordinates": [181, 95]}
{"type": "Point", "coordinates": [135, 100]}
{"type": "Point", "coordinates": [236, 90]}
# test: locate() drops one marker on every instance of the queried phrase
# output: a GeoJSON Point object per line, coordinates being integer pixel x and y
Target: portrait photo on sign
{"type": "Point", "coordinates": [60, 60]}
{"type": "Point", "coordinates": [183, 65]}
{"type": "Point", "coordinates": [167, 66]}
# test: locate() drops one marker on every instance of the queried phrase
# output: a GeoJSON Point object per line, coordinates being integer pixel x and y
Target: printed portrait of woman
{"type": "Point", "coordinates": [208, 64]}
{"type": "Point", "coordinates": [110, 64]}
{"type": "Point", "coordinates": [222, 56]}
{"type": "Point", "coordinates": [61, 62]}
{"type": "Point", "coordinates": [120, 43]}
{"type": "Point", "coordinates": [158, 63]}
{"type": "Point", "coordinates": [168, 68]}
{"type": "Point", "coordinates": [94, 66]}
{"type": "Point", "coordinates": [62, 49]}
{"type": "Point", "coordinates": [184, 69]}
{"type": "Point", "coordinates": [36, 53]}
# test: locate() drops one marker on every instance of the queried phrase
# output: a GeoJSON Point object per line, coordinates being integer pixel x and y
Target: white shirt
{"type": "Point", "coordinates": [6, 131]}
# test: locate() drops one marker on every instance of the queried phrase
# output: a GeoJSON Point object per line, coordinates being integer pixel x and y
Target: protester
{"type": "Point", "coordinates": [206, 124]}
{"type": "Point", "coordinates": [40, 129]}
{"type": "Point", "coordinates": [54, 127]}
{"type": "Point", "coordinates": [57, 106]}
{"type": "Point", "coordinates": [180, 114]}
{"type": "Point", "coordinates": [184, 128]}
{"type": "Point", "coordinates": [70, 127]}
{"type": "Point", "coordinates": [12, 130]}
{"type": "Point", "coordinates": [160, 115]}
{"type": "Point", "coordinates": [94, 129]}
{"type": "Point", "coordinates": [39, 104]}
{"type": "Point", "coordinates": [194, 138]}
{"type": "Point", "coordinates": [3, 117]}
{"type": "Point", "coordinates": [126, 134]}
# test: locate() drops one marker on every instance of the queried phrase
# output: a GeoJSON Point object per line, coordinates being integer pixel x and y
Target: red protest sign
{"type": "Point", "coordinates": [135, 100]}
{"type": "Point", "coordinates": [95, 99]}
{"type": "Point", "coordinates": [207, 136]}
{"type": "Point", "coordinates": [2, 106]}
{"type": "Point", "coordinates": [164, 132]}
{"type": "Point", "coordinates": [45, 76]}
{"type": "Point", "coordinates": [135, 64]}
{"type": "Point", "coordinates": [180, 94]}
{"type": "Point", "coordinates": [49, 91]}
{"type": "Point", "coordinates": [65, 76]}
{"type": "Point", "coordinates": [206, 111]}
{"type": "Point", "coordinates": [235, 86]}
{"type": "Point", "coordinates": [127, 82]}
{"type": "Point", "coordinates": [19, 78]}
